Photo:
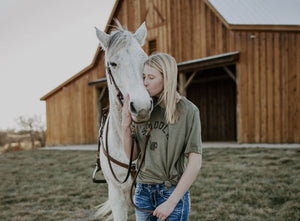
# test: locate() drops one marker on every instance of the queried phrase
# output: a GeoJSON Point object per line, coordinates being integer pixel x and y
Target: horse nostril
{"type": "Point", "coordinates": [132, 108]}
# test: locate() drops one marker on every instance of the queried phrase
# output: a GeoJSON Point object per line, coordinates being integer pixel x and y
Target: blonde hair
{"type": "Point", "coordinates": [167, 66]}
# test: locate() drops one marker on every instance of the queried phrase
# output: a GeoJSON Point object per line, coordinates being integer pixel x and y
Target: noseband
{"type": "Point", "coordinates": [112, 81]}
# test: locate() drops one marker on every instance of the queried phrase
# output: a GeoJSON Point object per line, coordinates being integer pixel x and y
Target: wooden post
{"type": "Point", "coordinates": [182, 82]}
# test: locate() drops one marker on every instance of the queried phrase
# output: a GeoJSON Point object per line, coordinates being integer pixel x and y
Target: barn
{"type": "Point", "coordinates": [238, 62]}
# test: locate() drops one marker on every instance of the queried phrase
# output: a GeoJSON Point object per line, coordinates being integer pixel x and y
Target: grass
{"type": "Point", "coordinates": [234, 184]}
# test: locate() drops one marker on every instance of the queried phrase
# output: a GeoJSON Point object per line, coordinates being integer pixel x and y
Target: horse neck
{"type": "Point", "coordinates": [115, 112]}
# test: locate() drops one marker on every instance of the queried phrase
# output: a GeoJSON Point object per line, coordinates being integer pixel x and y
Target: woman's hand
{"type": "Point", "coordinates": [126, 115]}
{"type": "Point", "coordinates": [164, 210]}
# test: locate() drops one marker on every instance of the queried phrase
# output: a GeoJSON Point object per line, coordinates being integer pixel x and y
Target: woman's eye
{"type": "Point", "coordinates": [113, 64]}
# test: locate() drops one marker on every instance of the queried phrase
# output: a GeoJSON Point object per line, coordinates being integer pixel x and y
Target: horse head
{"type": "Point", "coordinates": [125, 58]}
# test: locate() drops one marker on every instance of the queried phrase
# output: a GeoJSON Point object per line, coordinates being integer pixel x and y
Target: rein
{"type": "Point", "coordinates": [131, 168]}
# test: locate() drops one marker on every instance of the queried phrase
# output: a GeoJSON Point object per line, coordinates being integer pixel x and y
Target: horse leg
{"type": "Point", "coordinates": [118, 202]}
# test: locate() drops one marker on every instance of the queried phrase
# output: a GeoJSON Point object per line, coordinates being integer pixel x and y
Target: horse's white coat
{"type": "Point", "coordinates": [123, 49]}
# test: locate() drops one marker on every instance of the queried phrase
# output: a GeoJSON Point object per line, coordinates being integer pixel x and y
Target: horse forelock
{"type": "Point", "coordinates": [118, 39]}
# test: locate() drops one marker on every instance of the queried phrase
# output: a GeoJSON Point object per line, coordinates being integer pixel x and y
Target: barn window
{"type": "Point", "coordinates": [152, 46]}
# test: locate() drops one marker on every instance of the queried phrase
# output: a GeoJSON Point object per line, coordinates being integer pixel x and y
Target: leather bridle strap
{"type": "Point", "coordinates": [112, 80]}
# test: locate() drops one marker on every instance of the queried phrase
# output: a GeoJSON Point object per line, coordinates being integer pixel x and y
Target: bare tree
{"type": "Point", "coordinates": [35, 127]}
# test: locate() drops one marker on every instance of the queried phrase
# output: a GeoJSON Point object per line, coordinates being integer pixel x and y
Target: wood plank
{"type": "Point", "coordinates": [130, 15]}
{"type": "Point", "coordinates": [169, 27]}
{"type": "Point", "coordinates": [189, 41]}
{"type": "Point", "coordinates": [196, 27]}
{"type": "Point", "coordinates": [231, 41]}
{"type": "Point", "coordinates": [284, 79]}
{"type": "Point", "coordinates": [292, 88]}
{"type": "Point", "coordinates": [203, 33]}
{"type": "Point", "coordinates": [270, 88]}
{"type": "Point", "coordinates": [174, 30]}
{"type": "Point", "coordinates": [241, 45]}
{"type": "Point", "coordinates": [208, 32]}
{"type": "Point", "coordinates": [250, 92]}
{"type": "Point", "coordinates": [179, 28]}
{"type": "Point", "coordinates": [256, 82]}
{"type": "Point", "coordinates": [277, 89]}
{"type": "Point", "coordinates": [218, 37]}
{"type": "Point", "coordinates": [142, 7]}
{"type": "Point", "coordinates": [297, 131]}
{"type": "Point", "coordinates": [263, 88]}
{"type": "Point", "coordinates": [225, 33]}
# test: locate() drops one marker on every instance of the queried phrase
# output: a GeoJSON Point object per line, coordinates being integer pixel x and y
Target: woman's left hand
{"type": "Point", "coordinates": [164, 210]}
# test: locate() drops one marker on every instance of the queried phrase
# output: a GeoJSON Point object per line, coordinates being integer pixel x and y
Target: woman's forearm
{"type": "Point", "coordinates": [127, 144]}
{"type": "Point", "coordinates": [187, 178]}
{"type": "Point", "coordinates": [126, 122]}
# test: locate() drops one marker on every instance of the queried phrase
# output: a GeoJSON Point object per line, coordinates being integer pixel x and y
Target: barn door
{"type": "Point", "coordinates": [215, 95]}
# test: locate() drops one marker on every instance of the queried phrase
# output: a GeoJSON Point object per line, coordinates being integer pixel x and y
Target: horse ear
{"type": "Point", "coordinates": [103, 38]}
{"type": "Point", "coordinates": [141, 34]}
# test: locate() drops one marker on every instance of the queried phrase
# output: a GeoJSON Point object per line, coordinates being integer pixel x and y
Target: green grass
{"type": "Point", "coordinates": [234, 184]}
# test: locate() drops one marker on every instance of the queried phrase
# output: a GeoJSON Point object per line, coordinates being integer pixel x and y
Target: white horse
{"type": "Point", "coordinates": [125, 58]}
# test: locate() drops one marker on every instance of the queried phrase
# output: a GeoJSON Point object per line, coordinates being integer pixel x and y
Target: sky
{"type": "Point", "coordinates": [42, 44]}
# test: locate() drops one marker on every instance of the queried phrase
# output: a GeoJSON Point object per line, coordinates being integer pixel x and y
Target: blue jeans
{"type": "Point", "coordinates": [150, 196]}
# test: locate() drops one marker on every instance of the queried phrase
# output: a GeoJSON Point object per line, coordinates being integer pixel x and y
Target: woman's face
{"type": "Point", "coordinates": [153, 81]}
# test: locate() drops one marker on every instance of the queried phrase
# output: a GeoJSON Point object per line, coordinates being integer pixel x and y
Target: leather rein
{"type": "Point", "coordinates": [130, 167]}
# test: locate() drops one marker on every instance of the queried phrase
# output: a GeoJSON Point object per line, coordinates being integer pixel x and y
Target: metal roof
{"type": "Point", "coordinates": [259, 12]}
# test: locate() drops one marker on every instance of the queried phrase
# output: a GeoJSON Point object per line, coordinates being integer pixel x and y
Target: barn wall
{"type": "Point", "coordinates": [268, 87]}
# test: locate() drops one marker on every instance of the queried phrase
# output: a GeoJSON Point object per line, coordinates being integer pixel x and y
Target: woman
{"type": "Point", "coordinates": [173, 154]}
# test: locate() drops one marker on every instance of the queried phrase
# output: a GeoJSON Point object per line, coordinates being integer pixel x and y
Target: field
{"type": "Point", "coordinates": [234, 184]}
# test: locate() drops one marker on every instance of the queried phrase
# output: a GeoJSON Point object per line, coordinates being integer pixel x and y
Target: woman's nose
{"type": "Point", "coordinates": [145, 82]}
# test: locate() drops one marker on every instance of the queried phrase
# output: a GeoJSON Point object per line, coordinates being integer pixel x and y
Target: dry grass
{"type": "Point", "coordinates": [234, 184]}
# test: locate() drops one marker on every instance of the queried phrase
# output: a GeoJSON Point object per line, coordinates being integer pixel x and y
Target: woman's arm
{"type": "Point", "coordinates": [126, 122]}
{"type": "Point", "coordinates": [186, 180]}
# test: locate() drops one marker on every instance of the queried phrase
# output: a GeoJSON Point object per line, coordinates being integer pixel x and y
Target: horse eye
{"type": "Point", "coordinates": [113, 64]}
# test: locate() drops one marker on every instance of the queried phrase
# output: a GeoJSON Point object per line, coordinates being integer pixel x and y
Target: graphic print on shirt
{"type": "Point", "coordinates": [160, 125]}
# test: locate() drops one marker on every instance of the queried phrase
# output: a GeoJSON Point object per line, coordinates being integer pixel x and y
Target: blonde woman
{"type": "Point", "coordinates": [173, 154]}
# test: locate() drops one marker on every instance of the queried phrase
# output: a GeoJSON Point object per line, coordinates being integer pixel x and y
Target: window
{"type": "Point", "coordinates": [152, 46]}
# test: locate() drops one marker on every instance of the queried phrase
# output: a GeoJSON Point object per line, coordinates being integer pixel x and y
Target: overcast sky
{"type": "Point", "coordinates": [42, 44]}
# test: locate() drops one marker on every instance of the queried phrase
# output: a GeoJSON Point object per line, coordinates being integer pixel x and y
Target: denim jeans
{"type": "Point", "coordinates": [150, 196]}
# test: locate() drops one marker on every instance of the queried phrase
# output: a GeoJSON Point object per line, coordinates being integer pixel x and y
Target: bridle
{"type": "Point", "coordinates": [131, 168]}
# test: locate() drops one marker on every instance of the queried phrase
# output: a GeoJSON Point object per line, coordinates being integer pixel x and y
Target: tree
{"type": "Point", "coordinates": [35, 127]}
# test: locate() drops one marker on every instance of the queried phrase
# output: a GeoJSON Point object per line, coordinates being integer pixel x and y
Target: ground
{"type": "Point", "coordinates": [234, 184]}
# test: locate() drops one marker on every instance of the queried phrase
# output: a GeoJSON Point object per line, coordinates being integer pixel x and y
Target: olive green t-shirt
{"type": "Point", "coordinates": [169, 144]}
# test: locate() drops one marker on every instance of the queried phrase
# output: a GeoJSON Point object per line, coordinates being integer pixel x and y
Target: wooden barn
{"type": "Point", "coordinates": [239, 62]}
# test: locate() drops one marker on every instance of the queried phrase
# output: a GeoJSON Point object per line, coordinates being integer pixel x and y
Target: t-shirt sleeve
{"type": "Point", "coordinates": [193, 138]}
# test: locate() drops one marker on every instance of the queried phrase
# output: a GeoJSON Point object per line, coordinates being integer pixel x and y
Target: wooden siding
{"type": "Point", "coordinates": [72, 116]}
{"type": "Point", "coordinates": [268, 73]}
